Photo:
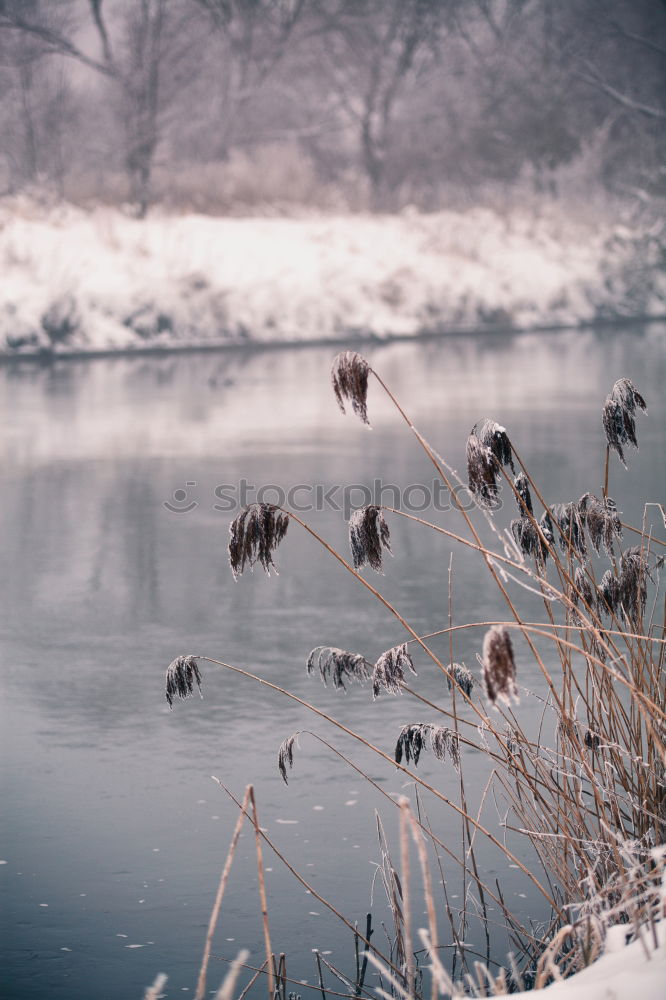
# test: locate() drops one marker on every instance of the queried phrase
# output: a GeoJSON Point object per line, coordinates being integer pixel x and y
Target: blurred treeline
{"type": "Point", "coordinates": [227, 105]}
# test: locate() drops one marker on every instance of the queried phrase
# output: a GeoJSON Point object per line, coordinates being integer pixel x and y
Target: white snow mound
{"type": "Point", "coordinates": [75, 280]}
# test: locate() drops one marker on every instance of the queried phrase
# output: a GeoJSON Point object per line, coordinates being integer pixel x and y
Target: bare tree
{"type": "Point", "coordinates": [147, 38]}
{"type": "Point", "coordinates": [373, 52]}
{"type": "Point", "coordinates": [251, 39]}
{"type": "Point", "coordinates": [39, 104]}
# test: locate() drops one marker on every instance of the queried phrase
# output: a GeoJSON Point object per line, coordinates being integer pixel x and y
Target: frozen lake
{"type": "Point", "coordinates": [112, 832]}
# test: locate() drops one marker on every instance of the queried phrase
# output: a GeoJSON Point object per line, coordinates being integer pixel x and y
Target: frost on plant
{"type": "Point", "coordinates": [368, 534]}
{"type": "Point", "coordinates": [482, 471]}
{"type": "Point", "coordinates": [523, 490]}
{"type": "Point", "coordinates": [608, 594]}
{"type": "Point", "coordinates": [633, 583]}
{"type": "Point", "coordinates": [254, 535]}
{"type": "Point", "coordinates": [338, 665]}
{"type": "Point", "coordinates": [583, 589]}
{"type": "Point", "coordinates": [494, 437]}
{"type": "Point", "coordinates": [389, 671]}
{"type": "Point", "coordinates": [286, 755]}
{"type": "Point", "coordinates": [499, 668]}
{"type": "Point", "coordinates": [618, 416]}
{"type": "Point", "coordinates": [463, 677]}
{"type": "Point", "coordinates": [572, 534]}
{"type": "Point", "coordinates": [417, 736]}
{"type": "Point", "coordinates": [181, 676]}
{"type": "Point", "coordinates": [349, 377]}
{"type": "Point", "coordinates": [602, 521]}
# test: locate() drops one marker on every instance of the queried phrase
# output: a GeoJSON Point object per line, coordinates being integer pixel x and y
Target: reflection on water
{"type": "Point", "coordinates": [112, 831]}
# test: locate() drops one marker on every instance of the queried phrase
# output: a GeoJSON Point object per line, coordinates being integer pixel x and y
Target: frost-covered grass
{"type": "Point", "coordinates": [634, 970]}
{"type": "Point", "coordinates": [75, 280]}
{"type": "Point", "coordinates": [575, 760]}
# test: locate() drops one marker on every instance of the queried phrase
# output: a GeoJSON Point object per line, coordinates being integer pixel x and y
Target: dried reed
{"type": "Point", "coordinates": [368, 534]}
{"type": "Point", "coordinates": [338, 664]}
{"type": "Point", "coordinates": [254, 535]}
{"type": "Point", "coordinates": [349, 377]}
{"type": "Point", "coordinates": [181, 676]}
{"type": "Point", "coordinates": [389, 670]}
{"type": "Point", "coordinates": [592, 778]}
{"type": "Point", "coordinates": [499, 668]}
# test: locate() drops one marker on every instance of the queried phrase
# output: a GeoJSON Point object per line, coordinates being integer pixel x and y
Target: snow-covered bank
{"type": "Point", "coordinates": [88, 281]}
{"type": "Point", "coordinates": [635, 970]}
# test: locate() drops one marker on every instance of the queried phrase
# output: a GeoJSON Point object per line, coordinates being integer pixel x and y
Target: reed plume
{"type": "Point", "coordinates": [618, 416]}
{"type": "Point", "coordinates": [286, 755]}
{"type": "Point", "coordinates": [633, 583]}
{"type": "Point", "coordinates": [417, 736]}
{"type": "Point", "coordinates": [546, 526]}
{"type": "Point", "coordinates": [523, 490]}
{"type": "Point", "coordinates": [482, 471]}
{"type": "Point", "coordinates": [592, 740]}
{"type": "Point", "coordinates": [527, 538]}
{"type": "Point", "coordinates": [389, 670]}
{"type": "Point", "coordinates": [523, 528]}
{"type": "Point", "coordinates": [570, 524]}
{"type": "Point", "coordinates": [494, 436]}
{"type": "Point", "coordinates": [463, 677]}
{"type": "Point", "coordinates": [338, 664]}
{"type": "Point", "coordinates": [181, 676]}
{"type": "Point", "coordinates": [602, 521]}
{"type": "Point", "coordinates": [628, 395]}
{"type": "Point", "coordinates": [608, 594]}
{"type": "Point", "coordinates": [499, 668]}
{"type": "Point", "coordinates": [583, 588]}
{"type": "Point", "coordinates": [368, 534]}
{"type": "Point", "coordinates": [254, 535]}
{"type": "Point", "coordinates": [349, 377]}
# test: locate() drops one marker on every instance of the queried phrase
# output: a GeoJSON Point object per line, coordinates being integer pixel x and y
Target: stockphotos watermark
{"type": "Point", "coordinates": [303, 498]}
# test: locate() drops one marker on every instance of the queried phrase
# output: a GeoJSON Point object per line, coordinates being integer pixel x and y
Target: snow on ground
{"type": "Point", "coordinates": [631, 972]}
{"type": "Point", "coordinates": [97, 280]}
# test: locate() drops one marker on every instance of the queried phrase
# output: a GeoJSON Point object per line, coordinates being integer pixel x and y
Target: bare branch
{"type": "Point", "coordinates": [627, 102]}
{"type": "Point", "coordinates": [639, 39]}
{"type": "Point", "coordinates": [96, 11]}
{"type": "Point", "coordinates": [55, 42]}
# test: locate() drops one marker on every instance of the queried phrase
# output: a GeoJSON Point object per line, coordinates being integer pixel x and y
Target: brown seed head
{"type": "Point", "coordinates": [608, 594]}
{"type": "Point", "coordinates": [181, 676]}
{"type": "Point", "coordinates": [618, 416]}
{"type": "Point", "coordinates": [254, 535]}
{"type": "Point", "coordinates": [546, 526]}
{"type": "Point", "coordinates": [592, 740]}
{"type": "Point", "coordinates": [633, 583]}
{"type": "Point", "coordinates": [389, 670]}
{"type": "Point", "coordinates": [286, 755]}
{"type": "Point", "coordinates": [417, 736]}
{"type": "Point", "coordinates": [499, 668]}
{"type": "Point", "coordinates": [583, 589]}
{"type": "Point", "coordinates": [523, 490]}
{"type": "Point", "coordinates": [463, 677]}
{"type": "Point", "coordinates": [601, 519]}
{"type": "Point", "coordinates": [482, 472]}
{"type": "Point", "coordinates": [527, 538]}
{"type": "Point", "coordinates": [628, 395]}
{"type": "Point", "coordinates": [338, 664]}
{"type": "Point", "coordinates": [494, 436]}
{"type": "Point", "coordinates": [349, 377]}
{"type": "Point", "coordinates": [571, 528]}
{"type": "Point", "coordinates": [368, 534]}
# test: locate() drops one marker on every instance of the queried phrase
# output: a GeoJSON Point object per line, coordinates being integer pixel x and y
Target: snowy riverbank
{"type": "Point", "coordinates": [72, 280]}
{"type": "Point", "coordinates": [635, 970]}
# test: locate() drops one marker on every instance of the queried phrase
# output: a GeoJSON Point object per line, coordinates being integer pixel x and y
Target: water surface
{"type": "Point", "coordinates": [113, 833]}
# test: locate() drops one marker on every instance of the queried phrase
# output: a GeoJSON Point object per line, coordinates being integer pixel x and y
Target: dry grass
{"type": "Point", "coordinates": [588, 792]}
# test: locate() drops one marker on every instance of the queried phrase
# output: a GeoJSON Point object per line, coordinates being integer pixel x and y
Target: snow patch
{"type": "Point", "coordinates": [95, 281]}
